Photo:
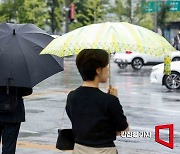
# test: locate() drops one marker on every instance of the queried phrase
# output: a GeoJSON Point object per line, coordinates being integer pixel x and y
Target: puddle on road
{"type": "Point", "coordinates": [30, 134]}
{"type": "Point", "coordinates": [27, 134]}
{"type": "Point", "coordinates": [172, 99]}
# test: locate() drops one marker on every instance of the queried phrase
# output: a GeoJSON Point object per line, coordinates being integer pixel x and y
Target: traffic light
{"type": "Point", "coordinates": [72, 12]}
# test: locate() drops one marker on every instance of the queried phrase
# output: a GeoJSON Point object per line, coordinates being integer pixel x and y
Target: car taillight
{"type": "Point", "coordinates": [128, 52]}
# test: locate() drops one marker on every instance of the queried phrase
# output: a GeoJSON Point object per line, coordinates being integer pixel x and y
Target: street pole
{"type": "Point", "coordinates": [67, 16]}
{"type": "Point", "coordinates": [155, 16]}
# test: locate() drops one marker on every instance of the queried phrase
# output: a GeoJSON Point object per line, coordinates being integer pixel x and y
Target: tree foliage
{"type": "Point", "coordinates": [88, 12]}
{"type": "Point", "coordinates": [51, 13]}
{"type": "Point", "coordinates": [122, 9]}
{"type": "Point", "coordinates": [8, 10]}
{"type": "Point", "coordinates": [162, 17]}
{"type": "Point", "coordinates": [56, 15]}
{"type": "Point", "coordinates": [33, 11]}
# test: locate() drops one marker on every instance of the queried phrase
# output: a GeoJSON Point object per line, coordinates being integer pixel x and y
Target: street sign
{"type": "Point", "coordinates": [153, 6]}
{"type": "Point", "coordinates": [175, 5]}
{"type": "Point", "coordinates": [147, 6]}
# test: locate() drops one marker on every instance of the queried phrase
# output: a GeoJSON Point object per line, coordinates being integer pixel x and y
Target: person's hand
{"type": "Point", "coordinates": [112, 91]}
{"type": "Point", "coordinates": [119, 133]}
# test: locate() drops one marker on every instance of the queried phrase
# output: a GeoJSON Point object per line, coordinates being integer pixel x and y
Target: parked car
{"type": "Point", "coordinates": [137, 60]}
{"type": "Point", "coordinates": [55, 36]}
{"type": "Point", "coordinates": [171, 81]}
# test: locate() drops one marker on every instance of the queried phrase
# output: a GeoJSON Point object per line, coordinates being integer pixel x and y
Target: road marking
{"type": "Point", "coordinates": [28, 131]}
{"type": "Point", "coordinates": [23, 144]}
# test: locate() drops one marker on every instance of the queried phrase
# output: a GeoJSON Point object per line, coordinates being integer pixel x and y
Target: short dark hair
{"type": "Point", "coordinates": [88, 60]}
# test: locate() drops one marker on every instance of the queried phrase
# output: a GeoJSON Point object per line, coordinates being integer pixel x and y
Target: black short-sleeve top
{"type": "Point", "coordinates": [95, 116]}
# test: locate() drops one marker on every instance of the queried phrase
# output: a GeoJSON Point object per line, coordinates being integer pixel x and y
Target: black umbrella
{"type": "Point", "coordinates": [20, 62]}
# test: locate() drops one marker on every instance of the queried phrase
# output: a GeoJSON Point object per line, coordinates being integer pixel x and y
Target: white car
{"type": "Point", "coordinates": [55, 36]}
{"type": "Point", "coordinates": [137, 60]}
{"type": "Point", "coordinates": [171, 81]}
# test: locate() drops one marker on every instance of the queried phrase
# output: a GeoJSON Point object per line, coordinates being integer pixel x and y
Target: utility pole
{"type": "Point", "coordinates": [67, 16]}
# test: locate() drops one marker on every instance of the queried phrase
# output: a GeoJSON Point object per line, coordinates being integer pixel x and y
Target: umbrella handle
{"type": "Point", "coordinates": [110, 71]}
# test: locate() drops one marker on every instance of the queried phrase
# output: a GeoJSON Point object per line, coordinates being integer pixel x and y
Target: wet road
{"type": "Point", "coordinates": [146, 105]}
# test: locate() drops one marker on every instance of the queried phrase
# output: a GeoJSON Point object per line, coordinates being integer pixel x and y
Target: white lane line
{"type": "Point", "coordinates": [28, 131]}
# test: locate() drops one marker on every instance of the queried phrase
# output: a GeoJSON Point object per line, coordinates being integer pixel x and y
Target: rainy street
{"type": "Point", "coordinates": [146, 105]}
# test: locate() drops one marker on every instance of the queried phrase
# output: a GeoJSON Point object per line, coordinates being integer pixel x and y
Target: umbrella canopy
{"type": "Point", "coordinates": [118, 36]}
{"type": "Point", "coordinates": [20, 62]}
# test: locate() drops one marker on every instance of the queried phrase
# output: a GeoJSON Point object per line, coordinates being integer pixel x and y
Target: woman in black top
{"type": "Point", "coordinates": [96, 117]}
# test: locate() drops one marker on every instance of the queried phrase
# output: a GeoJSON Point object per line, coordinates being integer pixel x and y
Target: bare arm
{"type": "Point", "coordinates": [113, 91]}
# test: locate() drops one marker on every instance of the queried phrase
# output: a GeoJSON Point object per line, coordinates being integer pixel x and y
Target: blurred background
{"type": "Point", "coordinates": [60, 16]}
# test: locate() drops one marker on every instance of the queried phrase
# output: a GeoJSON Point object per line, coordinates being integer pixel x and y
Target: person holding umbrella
{"type": "Point", "coordinates": [21, 68]}
{"type": "Point", "coordinates": [12, 113]}
{"type": "Point", "coordinates": [96, 117]}
{"type": "Point", "coordinates": [176, 43]}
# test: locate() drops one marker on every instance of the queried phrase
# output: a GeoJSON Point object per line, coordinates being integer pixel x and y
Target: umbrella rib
{"type": "Point", "coordinates": [32, 40]}
{"type": "Point", "coordinates": [5, 45]}
{"type": "Point", "coordinates": [3, 31]}
{"type": "Point", "coordinates": [1, 37]}
{"type": "Point", "coordinates": [25, 60]}
{"type": "Point", "coordinates": [39, 55]}
{"type": "Point", "coordinates": [40, 65]}
{"type": "Point", "coordinates": [42, 68]}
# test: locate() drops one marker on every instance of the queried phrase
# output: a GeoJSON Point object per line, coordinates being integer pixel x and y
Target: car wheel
{"type": "Point", "coordinates": [137, 63]}
{"type": "Point", "coordinates": [122, 65]}
{"type": "Point", "coordinates": [176, 59]}
{"type": "Point", "coordinates": [172, 81]}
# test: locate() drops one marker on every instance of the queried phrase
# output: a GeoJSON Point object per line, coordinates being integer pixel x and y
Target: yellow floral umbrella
{"type": "Point", "coordinates": [111, 36]}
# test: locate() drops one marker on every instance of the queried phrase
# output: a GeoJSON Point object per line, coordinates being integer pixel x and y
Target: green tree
{"type": "Point", "coordinates": [122, 10]}
{"type": "Point", "coordinates": [56, 15]}
{"type": "Point", "coordinates": [143, 19]}
{"type": "Point", "coordinates": [117, 9]}
{"type": "Point", "coordinates": [88, 12]}
{"type": "Point", "coordinates": [162, 17]}
{"type": "Point", "coordinates": [33, 11]}
{"type": "Point", "coordinates": [173, 16]}
{"type": "Point", "coordinates": [8, 10]}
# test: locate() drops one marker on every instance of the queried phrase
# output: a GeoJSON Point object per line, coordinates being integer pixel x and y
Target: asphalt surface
{"type": "Point", "coordinates": [146, 105]}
